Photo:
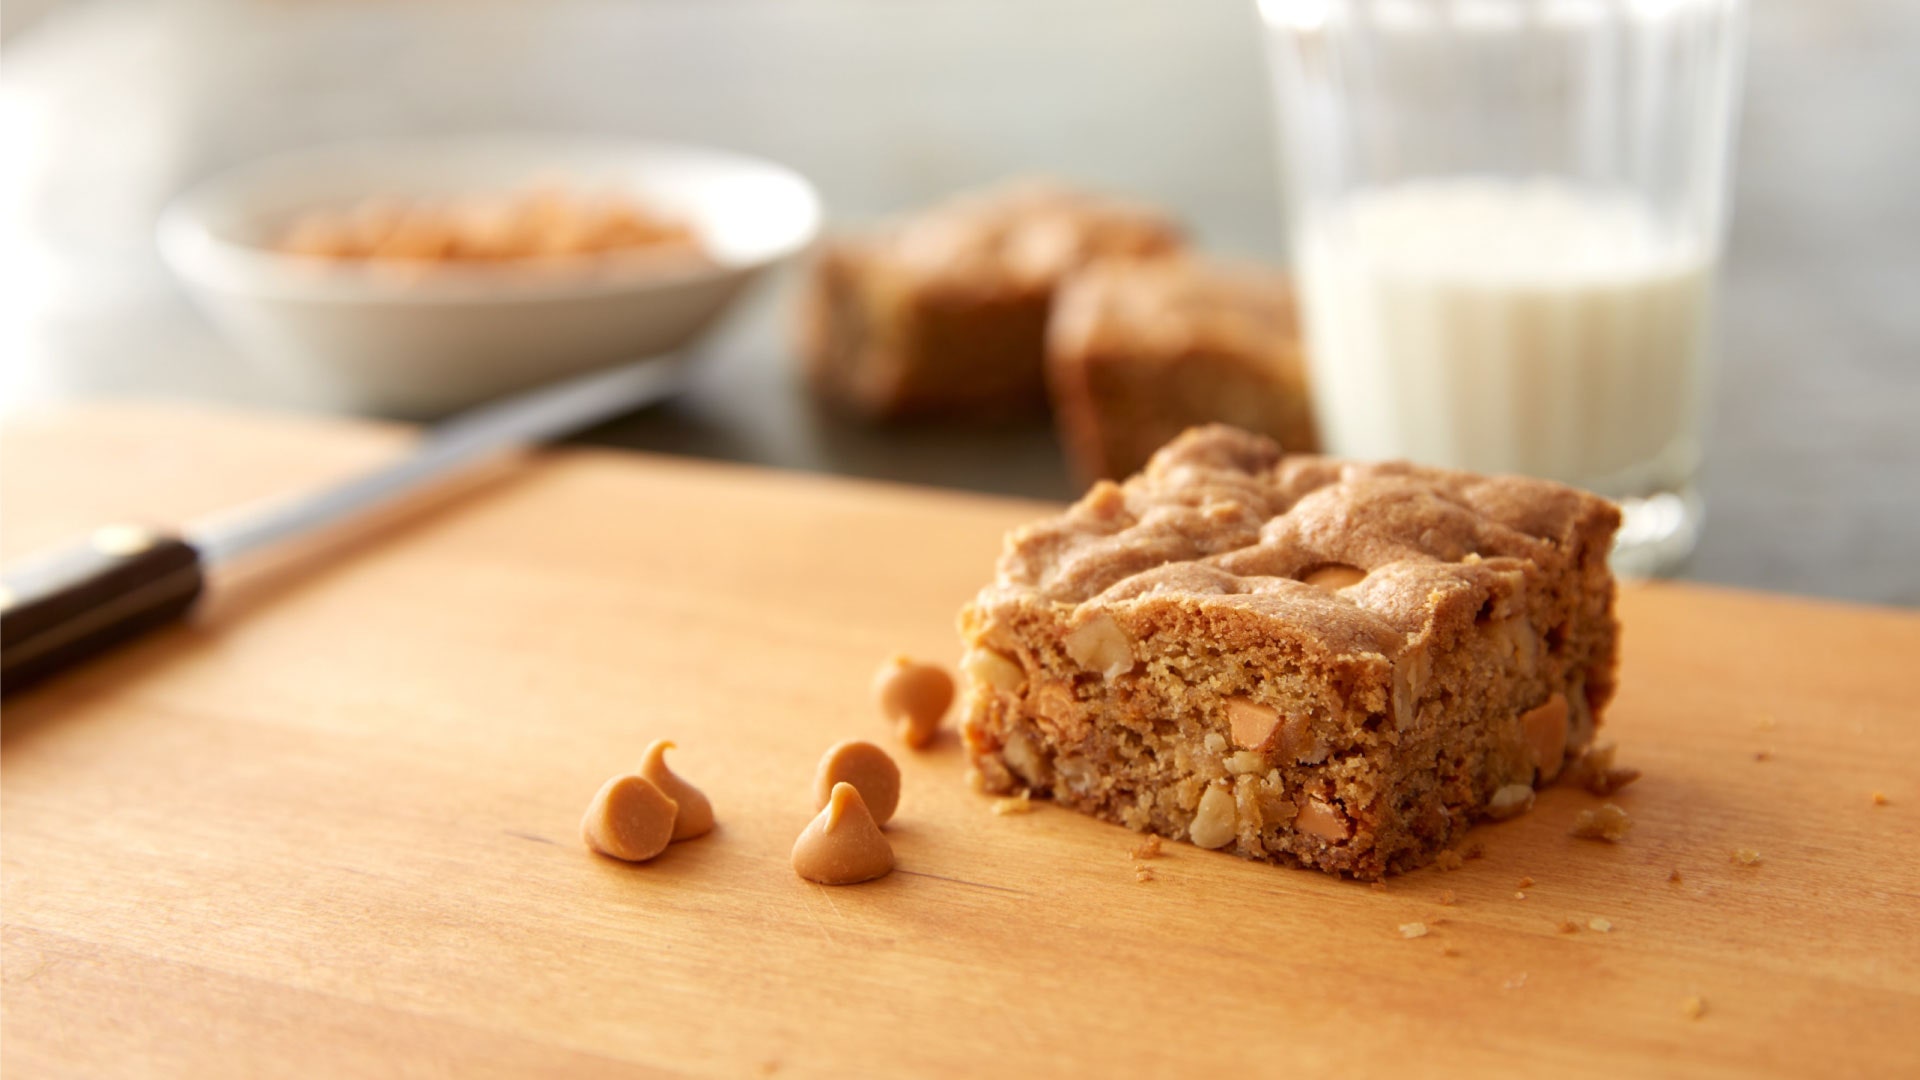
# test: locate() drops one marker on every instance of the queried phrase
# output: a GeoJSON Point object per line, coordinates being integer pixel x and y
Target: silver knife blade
{"type": "Point", "coordinates": [531, 418]}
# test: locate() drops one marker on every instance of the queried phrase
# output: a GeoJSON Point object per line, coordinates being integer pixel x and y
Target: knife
{"type": "Point", "coordinates": [59, 609]}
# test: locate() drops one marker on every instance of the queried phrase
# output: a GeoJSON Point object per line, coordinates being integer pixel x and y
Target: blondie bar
{"type": "Point", "coordinates": [945, 314]}
{"type": "Point", "coordinates": [1138, 352]}
{"type": "Point", "coordinates": [1295, 659]}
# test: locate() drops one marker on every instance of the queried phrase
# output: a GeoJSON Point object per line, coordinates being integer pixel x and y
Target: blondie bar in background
{"type": "Point", "coordinates": [945, 314]}
{"type": "Point", "coordinates": [1139, 352]}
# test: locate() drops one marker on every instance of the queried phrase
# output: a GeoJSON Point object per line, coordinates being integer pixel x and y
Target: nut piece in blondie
{"type": "Point", "coordinates": [1174, 654]}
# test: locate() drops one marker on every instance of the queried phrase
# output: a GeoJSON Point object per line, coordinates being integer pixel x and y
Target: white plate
{"type": "Point", "coordinates": [430, 343]}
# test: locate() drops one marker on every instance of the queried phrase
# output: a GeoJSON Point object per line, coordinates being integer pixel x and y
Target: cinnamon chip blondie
{"type": "Point", "coordinates": [1139, 351]}
{"type": "Point", "coordinates": [1296, 659]}
{"type": "Point", "coordinates": [945, 313]}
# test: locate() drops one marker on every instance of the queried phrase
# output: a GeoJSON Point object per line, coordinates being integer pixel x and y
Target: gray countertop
{"type": "Point", "coordinates": [108, 107]}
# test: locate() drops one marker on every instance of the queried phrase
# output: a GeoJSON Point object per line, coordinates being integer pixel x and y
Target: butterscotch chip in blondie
{"type": "Point", "coordinates": [1139, 351]}
{"type": "Point", "coordinates": [945, 313]}
{"type": "Point", "coordinates": [843, 845]}
{"type": "Point", "coordinates": [1178, 674]}
{"type": "Point", "coordinates": [914, 697]}
{"type": "Point", "coordinates": [866, 767]}
{"type": "Point", "coordinates": [629, 819]}
{"type": "Point", "coordinates": [695, 817]}
{"type": "Point", "coordinates": [1609, 823]}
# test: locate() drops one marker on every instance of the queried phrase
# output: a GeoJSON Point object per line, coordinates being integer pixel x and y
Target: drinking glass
{"type": "Point", "coordinates": [1506, 219]}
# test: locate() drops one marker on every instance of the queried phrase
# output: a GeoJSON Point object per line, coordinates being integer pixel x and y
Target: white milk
{"type": "Point", "coordinates": [1507, 327]}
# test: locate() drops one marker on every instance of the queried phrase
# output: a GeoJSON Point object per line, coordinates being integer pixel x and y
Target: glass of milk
{"type": "Point", "coordinates": [1506, 219]}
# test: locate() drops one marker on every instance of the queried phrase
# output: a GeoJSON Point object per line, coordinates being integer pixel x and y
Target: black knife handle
{"type": "Point", "coordinates": [63, 608]}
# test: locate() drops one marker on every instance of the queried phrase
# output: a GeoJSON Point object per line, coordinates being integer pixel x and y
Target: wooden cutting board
{"type": "Point", "coordinates": [332, 829]}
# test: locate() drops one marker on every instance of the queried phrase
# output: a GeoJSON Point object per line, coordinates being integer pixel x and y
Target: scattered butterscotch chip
{"type": "Point", "coordinates": [1526, 882]}
{"type": "Point", "coordinates": [1746, 857]}
{"type": "Point", "coordinates": [843, 845]}
{"type": "Point", "coordinates": [866, 767]}
{"type": "Point", "coordinates": [1413, 929]}
{"type": "Point", "coordinates": [1568, 926]}
{"type": "Point", "coordinates": [629, 819]}
{"type": "Point", "coordinates": [1674, 877]}
{"type": "Point", "coordinates": [1609, 823]}
{"type": "Point", "coordinates": [1447, 898]}
{"type": "Point", "coordinates": [1449, 859]}
{"type": "Point", "coordinates": [1879, 798]}
{"type": "Point", "coordinates": [1596, 772]}
{"type": "Point", "coordinates": [1147, 849]}
{"type": "Point", "coordinates": [914, 698]}
{"type": "Point", "coordinates": [1693, 1008]}
{"type": "Point", "coordinates": [696, 813]}
{"type": "Point", "coordinates": [1599, 924]}
{"type": "Point", "coordinates": [1014, 804]}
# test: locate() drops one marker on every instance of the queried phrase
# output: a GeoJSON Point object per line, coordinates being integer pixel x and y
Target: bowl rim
{"type": "Point", "coordinates": [198, 255]}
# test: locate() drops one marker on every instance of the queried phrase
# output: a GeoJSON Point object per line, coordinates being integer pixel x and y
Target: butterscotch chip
{"type": "Point", "coordinates": [1879, 798]}
{"type": "Point", "coordinates": [914, 697]}
{"type": "Point", "coordinates": [843, 845]}
{"type": "Point", "coordinates": [1609, 823]}
{"type": "Point", "coordinates": [1147, 849]}
{"type": "Point", "coordinates": [629, 819]}
{"type": "Point", "coordinates": [1546, 730]}
{"type": "Point", "coordinates": [696, 813]}
{"type": "Point", "coordinates": [866, 767]}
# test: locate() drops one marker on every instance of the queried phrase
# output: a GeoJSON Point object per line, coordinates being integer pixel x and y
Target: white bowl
{"type": "Point", "coordinates": [453, 336]}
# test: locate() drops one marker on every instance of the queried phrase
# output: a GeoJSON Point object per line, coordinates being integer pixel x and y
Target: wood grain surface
{"type": "Point", "coordinates": [331, 829]}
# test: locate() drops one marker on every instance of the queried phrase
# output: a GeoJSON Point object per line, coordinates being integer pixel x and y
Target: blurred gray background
{"type": "Point", "coordinates": [110, 107]}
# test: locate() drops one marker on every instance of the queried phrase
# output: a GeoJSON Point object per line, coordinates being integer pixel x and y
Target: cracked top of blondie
{"type": "Point", "coordinates": [1360, 555]}
{"type": "Point", "coordinates": [1027, 234]}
